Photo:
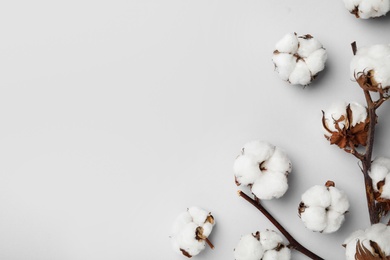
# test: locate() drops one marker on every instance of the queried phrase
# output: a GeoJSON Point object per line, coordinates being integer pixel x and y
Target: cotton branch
{"type": "Point", "coordinates": [293, 243]}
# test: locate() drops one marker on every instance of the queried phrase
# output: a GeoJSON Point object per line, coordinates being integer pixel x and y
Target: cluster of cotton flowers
{"type": "Point", "coordinates": [323, 208]}
{"type": "Point", "coordinates": [376, 239]}
{"type": "Point", "coordinates": [298, 60]}
{"type": "Point", "coordinates": [380, 175]}
{"type": "Point", "coordinates": [266, 245]}
{"type": "Point", "coordinates": [191, 230]}
{"type": "Point", "coordinates": [371, 65]}
{"type": "Point", "coordinates": [264, 168]}
{"type": "Point", "coordinates": [346, 125]}
{"type": "Point", "coordinates": [367, 8]}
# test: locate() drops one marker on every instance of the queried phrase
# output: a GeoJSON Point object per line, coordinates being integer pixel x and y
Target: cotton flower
{"type": "Point", "coordinates": [322, 208]}
{"type": "Point", "coordinates": [375, 239]}
{"type": "Point", "coordinates": [264, 168]}
{"type": "Point", "coordinates": [367, 8]}
{"type": "Point", "coordinates": [346, 125]}
{"type": "Point", "coordinates": [380, 175]}
{"type": "Point", "coordinates": [191, 230]}
{"type": "Point", "coordinates": [298, 60]}
{"type": "Point", "coordinates": [371, 66]}
{"type": "Point", "coordinates": [266, 245]}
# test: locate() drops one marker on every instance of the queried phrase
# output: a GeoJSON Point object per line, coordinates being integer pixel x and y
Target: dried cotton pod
{"type": "Point", "coordinates": [346, 125]}
{"type": "Point", "coordinates": [372, 243]}
{"type": "Point", "coordinates": [298, 59]}
{"type": "Point", "coordinates": [322, 208]}
{"type": "Point", "coordinates": [264, 168]}
{"type": "Point", "coordinates": [191, 230]}
{"type": "Point", "coordinates": [266, 245]}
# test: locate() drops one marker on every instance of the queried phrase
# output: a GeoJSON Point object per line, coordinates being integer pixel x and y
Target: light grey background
{"type": "Point", "coordinates": [118, 115]}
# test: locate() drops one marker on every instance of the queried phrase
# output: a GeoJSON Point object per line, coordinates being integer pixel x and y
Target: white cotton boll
{"type": "Point", "coordinates": [246, 169]}
{"type": "Point", "coordinates": [260, 150]}
{"type": "Point", "coordinates": [317, 196]}
{"type": "Point", "coordinates": [378, 173]}
{"type": "Point", "coordinates": [339, 200]}
{"type": "Point", "coordinates": [335, 112]}
{"type": "Point", "coordinates": [289, 43]}
{"type": "Point", "coordinates": [278, 162]}
{"type": "Point", "coordinates": [284, 63]}
{"type": "Point", "coordinates": [308, 46]}
{"type": "Point", "coordinates": [248, 248]}
{"type": "Point", "coordinates": [298, 59]}
{"type": "Point", "coordinates": [270, 255]}
{"type": "Point", "coordinates": [314, 218]}
{"type": "Point", "coordinates": [316, 61]}
{"type": "Point", "coordinates": [264, 168]}
{"type": "Point", "coordinates": [270, 239]}
{"type": "Point", "coordinates": [301, 74]}
{"type": "Point", "coordinates": [199, 215]}
{"type": "Point", "coordinates": [379, 233]}
{"type": "Point", "coordinates": [375, 58]}
{"type": "Point", "coordinates": [270, 185]}
{"type": "Point", "coordinates": [334, 221]}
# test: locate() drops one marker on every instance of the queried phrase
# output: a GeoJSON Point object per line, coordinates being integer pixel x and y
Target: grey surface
{"type": "Point", "coordinates": [118, 115]}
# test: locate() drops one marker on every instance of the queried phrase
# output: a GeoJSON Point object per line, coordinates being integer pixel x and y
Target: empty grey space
{"type": "Point", "coordinates": [118, 115]}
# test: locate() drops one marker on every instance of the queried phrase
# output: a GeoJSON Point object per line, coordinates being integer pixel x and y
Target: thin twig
{"type": "Point", "coordinates": [293, 243]}
{"type": "Point", "coordinates": [209, 243]}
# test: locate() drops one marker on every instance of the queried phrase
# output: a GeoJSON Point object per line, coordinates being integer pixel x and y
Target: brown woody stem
{"type": "Point", "coordinates": [209, 243]}
{"type": "Point", "coordinates": [367, 160]}
{"type": "Point", "coordinates": [293, 243]}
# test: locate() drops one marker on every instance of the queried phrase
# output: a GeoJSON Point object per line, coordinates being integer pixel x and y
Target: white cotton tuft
{"type": "Point", "coordinates": [375, 60]}
{"type": "Point", "coordinates": [298, 59]}
{"type": "Point", "coordinates": [323, 208]}
{"type": "Point", "coordinates": [380, 175]}
{"type": "Point", "coordinates": [378, 233]}
{"type": "Point", "coordinates": [248, 248]}
{"type": "Point", "coordinates": [190, 230]}
{"type": "Point", "coordinates": [264, 168]}
{"type": "Point", "coordinates": [269, 239]}
{"type": "Point", "coordinates": [262, 246]}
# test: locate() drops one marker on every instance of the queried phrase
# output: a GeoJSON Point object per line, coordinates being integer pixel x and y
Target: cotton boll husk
{"type": "Point", "coordinates": [248, 248]}
{"type": "Point", "coordinates": [316, 61]}
{"type": "Point", "coordinates": [339, 200]}
{"type": "Point", "coordinates": [278, 162]}
{"type": "Point", "coordinates": [259, 149]}
{"type": "Point", "coordinates": [314, 218]}
{"type": "Point", "coordinates": [207, 228]}
{"type": "Point", "coordinates": [359, 113]}
{"type": "Point", "coordinates": [285, 63]}
{"type": "Point", "coordinates": [289, 43]}
{"type": "Point", "coordinates": [283, 254]}
{"type": "Point", "coordinates": [317, 196]}
{"type": "Point", "coordinates": [181, 220]}
{"type": "Point", "coordinates": [270, 185]}
{"type": "Point", "coordinates": [334, 221]}
{"type": "Point", "coordinates": [246, 169]}
{"type": "Point", "coordinates": [350, 249]}
{"type": "Point", "coordinates": [308, 46]}
{"type": "Point", "coordinates": [186, 240]}
{"type": "Point", "coordinates": [270, 239]}
{"type": "Point", "coordinates": [199, 216]}
{"type": "Point", "coordinates": [301, 74]}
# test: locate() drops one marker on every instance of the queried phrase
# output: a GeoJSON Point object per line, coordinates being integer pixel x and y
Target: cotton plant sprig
{"type": "Point", "coordinates": [353, 125]}
{"type": "Point", "coordinates": [264, 168]}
